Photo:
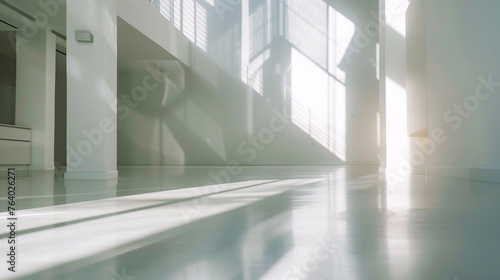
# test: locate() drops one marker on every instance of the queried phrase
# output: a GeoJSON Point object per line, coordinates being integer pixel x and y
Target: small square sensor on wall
{"type": "Point", "coordinates": [84, 37]}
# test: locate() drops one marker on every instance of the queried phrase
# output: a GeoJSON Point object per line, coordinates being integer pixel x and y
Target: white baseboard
{"type": "Point", "coordinates": [485, 174]}
{"type": "Point", "coordinates": [5, 168]}
{"type": "Point", "coordinates": [418, 170]}
{"type": "Point", "coordinates": [359, 163]}
{"type": "Point", "coordinates": [411, 170]}
{"type": "Point", "coordinates": [91, 175]}
{"type": "Point", "coordinates": [448, 171]}
{"type": "Point", "coordinates": [42, 167]}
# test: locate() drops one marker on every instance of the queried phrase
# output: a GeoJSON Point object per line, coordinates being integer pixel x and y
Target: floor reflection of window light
{"type": "Point", "coordinates": [71, 242]}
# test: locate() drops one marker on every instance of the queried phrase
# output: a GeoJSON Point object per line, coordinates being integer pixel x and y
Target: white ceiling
{"type": "Point", "coordinates": [56, 22]}
{"type": "Point", "coordinates": [135, 50]}
{"type": "Point", "coordinates": [6, 27]}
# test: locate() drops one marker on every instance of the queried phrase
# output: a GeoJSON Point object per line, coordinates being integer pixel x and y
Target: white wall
{"type": "Point", "coordinates": [463, 39]}
{"type": "Point", "coordinates": [354, 59]}
{"type": "Point", "coordinates": [460, 75]}
{"type": "Point", "coordinates": [146, 18]}
{"type": "Point", "coordinates": [217, 112]}
{"type": "Point", "coordinates": [205, 125]}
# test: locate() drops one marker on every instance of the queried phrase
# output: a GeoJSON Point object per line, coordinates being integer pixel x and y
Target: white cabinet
{"type": "Point", "coordinates": [15, 145]}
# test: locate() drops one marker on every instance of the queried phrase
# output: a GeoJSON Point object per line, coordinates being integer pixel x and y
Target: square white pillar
{"type": "Point", "coordinates": [35, 93]}
{"type": "Point", "coordinates": [92, 90]}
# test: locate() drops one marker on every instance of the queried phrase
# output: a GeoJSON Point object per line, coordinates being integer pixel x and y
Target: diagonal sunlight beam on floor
{"type": "Point", "coordinates": [77, 245]}
{"type": "Point", "coordinates": [30, 219]}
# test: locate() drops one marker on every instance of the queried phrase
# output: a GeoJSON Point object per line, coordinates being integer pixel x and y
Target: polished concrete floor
{"type": "Point", "coordinates": [274, 222]}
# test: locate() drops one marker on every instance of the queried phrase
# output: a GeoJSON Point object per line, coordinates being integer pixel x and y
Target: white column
{"type": "Point", "coordinates": [382, 88]}
{"type": "Point", "coordinates": [245, 35]}
{"type": "Point", "coordinates": [35, 91]}
{"type": "Point", "coordinates": [398, 160]}
{"type": "Point", "coordinates": [92, 90]}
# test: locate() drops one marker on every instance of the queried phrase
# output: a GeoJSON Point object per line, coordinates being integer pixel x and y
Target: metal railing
{"type": "Point", "coordinates": [187, 15]}
{"type": "Point", "coordinates": [317, 128]}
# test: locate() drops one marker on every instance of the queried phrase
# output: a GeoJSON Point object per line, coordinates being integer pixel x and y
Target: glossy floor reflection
{"type": "Point", "coordinates": [314, 222]}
